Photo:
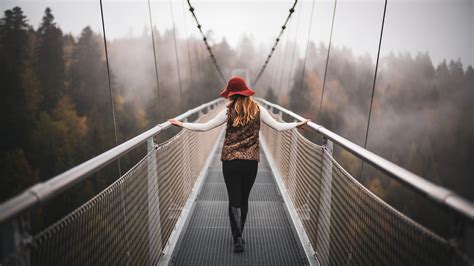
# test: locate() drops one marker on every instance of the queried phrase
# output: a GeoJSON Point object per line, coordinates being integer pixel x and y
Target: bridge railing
{"type": "Point", "coordinates": [345, 223]}
{"type": "Point", "coordinates": [129, 222]}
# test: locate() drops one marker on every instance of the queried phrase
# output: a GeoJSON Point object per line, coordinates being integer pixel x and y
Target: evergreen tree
{"type": "Point", "coordinates": [13, 57]}
{"type": "Point", "coordinates": [49, 61]}
{"type": "Point", "coordinates": [89, 88]}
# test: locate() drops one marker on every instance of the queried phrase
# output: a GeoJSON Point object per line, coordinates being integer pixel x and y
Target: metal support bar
{"type": "Point", "coordinates": [154, 220]}
{"type": "Point", "coordinates": [324, 228]}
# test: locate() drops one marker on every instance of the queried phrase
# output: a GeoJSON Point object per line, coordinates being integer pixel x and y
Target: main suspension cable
{"type": "Point", "coordinates": [211, 54]}
{"type": "Point", "coordinates": [262, 69]}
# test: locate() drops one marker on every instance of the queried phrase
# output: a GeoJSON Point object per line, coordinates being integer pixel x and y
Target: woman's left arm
{"type": "Point", "coordinates": [218, 120]}
{"type": "Point", "coordinates": [279, 126]}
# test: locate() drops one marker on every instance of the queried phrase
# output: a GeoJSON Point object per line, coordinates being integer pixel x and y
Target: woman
{"type": "Point", "coordinates": [240, 153]}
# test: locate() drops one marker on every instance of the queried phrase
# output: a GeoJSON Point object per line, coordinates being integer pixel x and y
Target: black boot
{"type": "Point", "coordinates": [235, 225]}
{"type": "Point", "coordinates": [243, 217]}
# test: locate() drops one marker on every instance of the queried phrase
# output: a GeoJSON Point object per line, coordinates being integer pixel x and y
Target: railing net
{"type": "Point", "coordinates": [347, 224]}
{"type": "Point", "coordinates": [130, 221]}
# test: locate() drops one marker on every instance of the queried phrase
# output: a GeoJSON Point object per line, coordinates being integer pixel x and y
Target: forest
{"type": "Point", "coordinates": [59, 98]}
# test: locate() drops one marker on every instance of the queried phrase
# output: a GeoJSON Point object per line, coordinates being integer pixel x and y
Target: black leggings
{"type": "Point", "coordinates": [239, 176]}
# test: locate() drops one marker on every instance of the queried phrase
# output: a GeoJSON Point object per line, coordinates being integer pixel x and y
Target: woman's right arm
{"type": "Point", "coordinates": [218, 120]}
{"type": "Point", "coordinates": [271, 122]}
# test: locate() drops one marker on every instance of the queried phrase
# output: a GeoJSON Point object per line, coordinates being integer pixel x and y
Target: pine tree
{"type": "Point", "coordinates": [49, 61]}
{"type": "Point", "coordinates": [13, 57]}
{"type": "Point", "coordinates": [89, 87]}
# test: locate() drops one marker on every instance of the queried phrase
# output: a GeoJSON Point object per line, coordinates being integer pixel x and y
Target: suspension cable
{"type": "Point", "coordinates": [307, 46]}
{"type": "Point", "coordinates": [373, 85]}
{"type": "Point", "coordinates": [122, 207]}
{"type": "Point", "coordinates": [177, 59]}
{"type": "Point", "coordinates": [283, 67]}
{"type": "Point", "coordinates": [274, 70]}
{"type": "Point", "coordinates": [110, 86]}
{"type": "Point", "coordinates": [208, 47]}
{"type": "Point", "coordinates": [156, 64]}
{"type": "Point", "coordinates": [293, 52]}
{"type": "Point", "coordinates": [279, 65]}
{"type": "Point", "coordinates": [187, 47]}
{"type": "Point", "coordinates": [327, 59]}
{"type": "Point", "coordinates": [262, 69]}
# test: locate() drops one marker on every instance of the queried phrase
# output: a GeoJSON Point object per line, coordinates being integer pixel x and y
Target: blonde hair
{"type": "Point", "coordinates": [245, 107]}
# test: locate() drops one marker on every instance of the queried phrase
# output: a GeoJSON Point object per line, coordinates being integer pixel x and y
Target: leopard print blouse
{"type": "Point", "coordinates": [241, 142]}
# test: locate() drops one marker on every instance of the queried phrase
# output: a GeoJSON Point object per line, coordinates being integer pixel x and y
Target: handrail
{"type": "Point", "coordinates": [42, 192]}
{"type": "Point", "coordinates": [432, 191]}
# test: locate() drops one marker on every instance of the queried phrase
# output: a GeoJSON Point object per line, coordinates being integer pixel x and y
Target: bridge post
{"type": "Point", "coordinates": [154, 218]}
{"type": "Point", "coordinates": [324, 226]}
{"type": "Point", "coordinates": [188, 167]}
{"type": "Point", "coordinates": [15, 242]}
{"type": "Point", "coordinates": [292, 164]}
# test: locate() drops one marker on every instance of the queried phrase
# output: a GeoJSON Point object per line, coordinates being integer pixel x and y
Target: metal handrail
{"type": "Point", "coordinates": [432, 191]}
{"type": "Point", "coordinates": [42, 192]}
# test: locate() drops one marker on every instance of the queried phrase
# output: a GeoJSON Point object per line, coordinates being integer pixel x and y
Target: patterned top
{"type": "Point", "coordinates": [241, 142]}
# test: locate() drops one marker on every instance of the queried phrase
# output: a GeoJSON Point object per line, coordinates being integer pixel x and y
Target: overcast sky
{"type": "Point", "coordinates": [443, 28]}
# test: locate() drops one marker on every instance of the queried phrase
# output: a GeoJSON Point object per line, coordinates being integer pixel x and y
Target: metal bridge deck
{"type": "Point", "coordinates": [270, 238]}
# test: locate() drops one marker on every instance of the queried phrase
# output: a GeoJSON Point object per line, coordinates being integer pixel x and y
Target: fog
{"type": "Point", "coordinates": [58, 102]}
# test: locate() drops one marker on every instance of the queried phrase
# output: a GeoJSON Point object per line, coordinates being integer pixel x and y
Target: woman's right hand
{"type": "Point", "coordinates": [175, 122]}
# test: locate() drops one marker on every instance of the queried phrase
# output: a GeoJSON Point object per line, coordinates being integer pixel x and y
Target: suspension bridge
{"type": "Point", "coordinates": [171, 207]}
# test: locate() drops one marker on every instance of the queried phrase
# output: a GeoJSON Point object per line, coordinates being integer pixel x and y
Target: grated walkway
{"type": "Point", "coordinates": [270, 238]}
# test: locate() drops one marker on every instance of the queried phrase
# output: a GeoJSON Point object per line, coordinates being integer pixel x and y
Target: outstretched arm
{"type": "Point", "coordinates": [271, 122]}
{"type": "Point", "coordinates": [218, 120]}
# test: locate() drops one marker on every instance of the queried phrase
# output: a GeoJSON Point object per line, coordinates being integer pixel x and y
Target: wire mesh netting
{"type": "Point", "coordinates": [131, 221]}
{"type": "Point", "coordinates": [346, 223]}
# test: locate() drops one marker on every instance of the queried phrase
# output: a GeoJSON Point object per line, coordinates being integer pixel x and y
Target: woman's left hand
{"type": "Point", "coordinates": [303, 123]}
{"type": "Point", "coordinates": [175, 122]}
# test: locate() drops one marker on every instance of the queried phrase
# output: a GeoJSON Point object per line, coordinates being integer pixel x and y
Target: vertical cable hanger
{"type": "Point", "coordinates": [110, 86]}
{"type": "Point", "coordinates": [208, 47]}
{"type": "Point", "coordinates": [274, 70]}
{"type": "Point", "coordinates": [307, 46]}
{"type": "Point", "coordinates": [262, 69]}
{"type": "Point", "coordinates": [283, 67]}
{"type": "Point", "coordinates": [177, 58]}
{"type": "Point", "coordinates": [327, 60]}
{"type": "Point", "coordinates": [373, 85]}
{"type": "Point", "coordinates": [279, 65]}
{"type": "Point", "coordinates": [156, 64]}
{"type": "Point", "coordinates": [187, 45]}
{"type": "Point", "coordinates": [293, 52]}
{"type": "Point", "coordinates": [124, 214]}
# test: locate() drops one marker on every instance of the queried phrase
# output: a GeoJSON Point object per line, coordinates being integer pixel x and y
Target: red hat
{"type": "Point", "coordinates": [236, 85]}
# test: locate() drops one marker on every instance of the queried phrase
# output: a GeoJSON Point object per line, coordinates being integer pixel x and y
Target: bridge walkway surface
{"type": "Point", "coordinates": [270, 237]}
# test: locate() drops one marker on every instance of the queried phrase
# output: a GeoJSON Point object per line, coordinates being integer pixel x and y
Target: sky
{"type": "Point", "coordinates": [443, 28]}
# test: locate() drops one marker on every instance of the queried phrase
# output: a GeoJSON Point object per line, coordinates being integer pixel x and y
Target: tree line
{"type": "Point", "coordinates": [56, 105]}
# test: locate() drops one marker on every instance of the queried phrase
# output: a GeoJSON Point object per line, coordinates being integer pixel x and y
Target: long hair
{"type": "Point", "coordinates": [245, 107]}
